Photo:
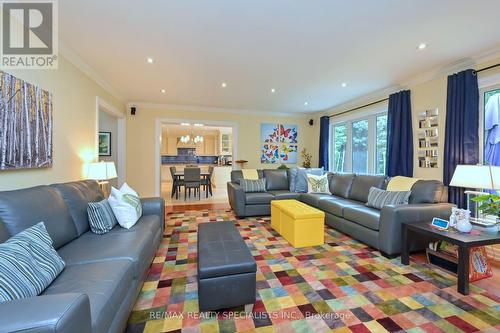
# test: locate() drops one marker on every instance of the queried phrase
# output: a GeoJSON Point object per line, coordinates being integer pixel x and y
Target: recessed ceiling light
{"type": "Point", "coordinates": [273, 90]}
{"type": "Point", "coordinates": [223, 85]}
{"type": "Point", "coordinates": [185, 124]}
{"type": "Point", "coordinates": [198, 125]}
{"type": "Point", "coordinates": [163, 91]}
{"type": "Point", "coordinates": [344, 84]}
{"type": "Point", "coordinates": [306, 103]}
{"type": "Point", "coordinates": [421, 46]}
{"type": "Point", "coordinates": [150, 60]}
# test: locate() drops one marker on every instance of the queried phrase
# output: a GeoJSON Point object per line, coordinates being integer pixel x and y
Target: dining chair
{"type": "Point", "coordinates": [192, 180]}
{"type": "Point", "coordinates": [207, 181]}
{"type": "Point", "coordinates": [176, 183]}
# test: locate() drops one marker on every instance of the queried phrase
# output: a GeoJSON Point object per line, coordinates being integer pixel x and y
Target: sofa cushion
{"type": "Point", "coordinates": [336, 205]}
{"type": "Point", "coordinates": [340, 183]}
{"type": "Point", "coordinates": [284, 194]}
{"type": "Point", "coordinates": [77, 196]}
{"type": "Point", "coordinates": [312, 199]}
{"type": "Point", "coordinates": [276, 179]}
{"type": "Point", "coordinates": [362, 184]}
{"type": "Point", "coordinates": [261, 198]}
{"type": "Point", "coordinates": [362, 215]}
{"type": "Point", "coordinates": [426, 191]}
{"type": "Point", "coordinates": [4, 234]}
{"type": "Point", "coordinates": [105, 283]}
{"type": "Point", "coordinates": [21, 209]}
{"type": "Point", "coordinates": [300, 181]}
{"type": "Point", "coordinates": [136, 245]}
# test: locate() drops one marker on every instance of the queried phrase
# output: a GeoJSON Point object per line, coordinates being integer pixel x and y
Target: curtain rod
{"type": "Point", "coordinates": [385, 99]}
{"type": "Point", "coordinates": [359, 107]}
{"type": "Point", "coordinates": [486, 68]}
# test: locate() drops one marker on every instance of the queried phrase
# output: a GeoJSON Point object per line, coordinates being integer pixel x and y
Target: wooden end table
{"type": "Point", "coordinates": [463, 241]}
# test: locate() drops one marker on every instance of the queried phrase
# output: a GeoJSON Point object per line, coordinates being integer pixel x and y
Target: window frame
{"type": "Point", "coordinates": [372, 139]}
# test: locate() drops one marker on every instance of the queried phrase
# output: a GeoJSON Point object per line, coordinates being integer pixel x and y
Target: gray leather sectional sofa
{"type": "Point", "coordinates": [345, 208]}
{"type": "Point", "coordinates": [104, 273]}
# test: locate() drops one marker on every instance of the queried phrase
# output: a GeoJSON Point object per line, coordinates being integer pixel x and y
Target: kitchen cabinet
{"type": "Point", "coordinates": [210, 147]}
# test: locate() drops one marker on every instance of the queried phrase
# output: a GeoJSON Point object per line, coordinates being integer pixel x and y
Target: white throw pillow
{"type": "Point", "coordinates": [126, 205]}
{"type": "Point", "coordinates": [317, 184]}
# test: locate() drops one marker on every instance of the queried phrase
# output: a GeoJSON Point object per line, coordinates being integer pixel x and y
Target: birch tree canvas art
{"type": "Point", "coordinates": [25, 125]}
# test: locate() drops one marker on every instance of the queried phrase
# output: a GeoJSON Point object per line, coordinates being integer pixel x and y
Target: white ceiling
{"type": "Point", "coordinates": [303, 49]}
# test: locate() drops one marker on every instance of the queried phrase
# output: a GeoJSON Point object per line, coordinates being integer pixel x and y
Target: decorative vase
{"type": "Point", "coordinates": [463, 222]}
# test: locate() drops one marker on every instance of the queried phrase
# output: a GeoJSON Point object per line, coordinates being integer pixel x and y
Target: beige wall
{"type": "Point", "coordinates": [427, 95]}
{"type": "Point", "coordinates": [74, 131]}
{"type": "Point", "coordinates": [141, 140]}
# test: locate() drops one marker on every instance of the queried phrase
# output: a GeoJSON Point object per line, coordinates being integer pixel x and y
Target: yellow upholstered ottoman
{"type": "Point", "coordinates": [276, 213]}
{"type": "Point", "coordinates": [300, 224]}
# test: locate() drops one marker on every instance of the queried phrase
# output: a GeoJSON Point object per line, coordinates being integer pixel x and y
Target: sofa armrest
{"type": "Point", "coordinates": [59, 313]}
{"type": "Point", "coordinates": [392, 216]}
{"type": "Point", "coordinates": [154, 206]}
{"type": "Point", "coordinates": [237, 198]}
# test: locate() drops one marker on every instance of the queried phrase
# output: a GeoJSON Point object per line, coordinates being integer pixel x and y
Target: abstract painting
{"type": "Point", "coordinates": [269, 133]}
{"type": "Point", "coordinates": [288, 133]}
{"type": "Point", "coordinates": [269, 153]}
{"type": "Point", "coordinates": [25, 125]}
{"type": "Point", "coordinates": [288, 153]}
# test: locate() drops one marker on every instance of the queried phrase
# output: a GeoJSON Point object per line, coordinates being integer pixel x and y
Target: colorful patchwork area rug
{"type": "Point", "coordinates": [341, 286]}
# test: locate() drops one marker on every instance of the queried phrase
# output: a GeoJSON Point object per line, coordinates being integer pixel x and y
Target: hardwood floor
{"type": "Point", "coordinates": [490, 284]}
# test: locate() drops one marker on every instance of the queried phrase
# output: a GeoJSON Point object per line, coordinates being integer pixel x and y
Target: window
{"type": "Point", "coordinates": [381, 148]}
{"type": "Point", "coordinates": [339, 151]}
{"type": "Point", "coordinates": [359, 145]}
{"type": "Point", "coordinates": [359, 139]}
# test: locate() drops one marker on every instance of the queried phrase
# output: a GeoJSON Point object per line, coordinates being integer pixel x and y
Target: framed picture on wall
{"type": "Point", "coordinates": [104, 143]}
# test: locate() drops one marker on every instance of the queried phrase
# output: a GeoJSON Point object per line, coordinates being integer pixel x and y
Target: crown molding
{"type": "Point", "coordinates": [85, 68]}
{"type": "Point", "coordinates": [196, 108]}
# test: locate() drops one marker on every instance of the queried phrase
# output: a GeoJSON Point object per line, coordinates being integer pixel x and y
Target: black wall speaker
{"type": "Point", "coordinates": [132, 110]}
{"type": "Point", "coordinates": [311, 122]}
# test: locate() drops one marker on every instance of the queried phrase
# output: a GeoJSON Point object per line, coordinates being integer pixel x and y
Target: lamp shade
{"type": "Point", "coordinates": [484, 177]}
{"type": "Point", "coordinates": [102, 171]}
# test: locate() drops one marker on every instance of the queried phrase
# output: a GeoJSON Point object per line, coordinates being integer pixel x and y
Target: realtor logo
{"type": "Point", "coordinates": [29, 34]}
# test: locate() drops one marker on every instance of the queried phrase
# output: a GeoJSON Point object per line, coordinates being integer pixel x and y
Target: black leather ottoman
{"type": "Point", "coordinates": [226, 268]}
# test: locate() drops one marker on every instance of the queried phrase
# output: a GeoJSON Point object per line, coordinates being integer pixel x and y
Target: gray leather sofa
{"type": "Point", "coordinates": [345, 208]}
{"type": "Point", "coordinates": [104, 273]}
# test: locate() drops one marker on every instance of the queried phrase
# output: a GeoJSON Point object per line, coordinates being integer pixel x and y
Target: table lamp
{"type": "Point", "coordinates": [482, 177]}
{"type": "Point", "coordinates": [102, 172]}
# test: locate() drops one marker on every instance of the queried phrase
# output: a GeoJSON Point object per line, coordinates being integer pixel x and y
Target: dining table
{"type": "Point", "coordinates": [180, 175]}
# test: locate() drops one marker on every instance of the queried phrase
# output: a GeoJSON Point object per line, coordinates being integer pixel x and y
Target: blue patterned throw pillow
{"type": "Point", "coordinates": [378, 198]}
{"type": "Point", "coordinates": [28, 264]}
{"type": "Point", "coordinates": [36, 240]}
{"type": "Point", "coordinates": [253, 185]}
{"type": "Point", "coordinates": [101, 217]}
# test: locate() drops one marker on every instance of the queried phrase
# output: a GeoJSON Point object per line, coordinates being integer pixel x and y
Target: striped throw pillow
{"type": "Point", "coordinates": [101, 217]}
{"type": "Point", "coordinates": [36, 240]}
{"type": "Point", "coordinates": [378, 198]}
{"type": "Point", "coordinates": [253, 185]}
{"type": "Point", "coordinates": [28, 264]}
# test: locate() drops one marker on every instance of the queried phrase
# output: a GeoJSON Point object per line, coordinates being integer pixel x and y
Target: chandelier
{"type": "Point", "coordinates": [191, 138]}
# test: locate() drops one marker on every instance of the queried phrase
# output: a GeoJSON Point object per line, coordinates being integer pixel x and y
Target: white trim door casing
{"type": "Point", "coordinates": [158, 132]}
{"type": "Point", "coordinates": [101, 104]}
